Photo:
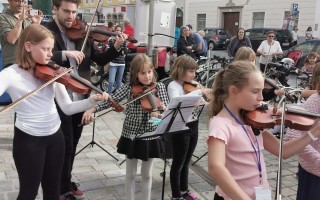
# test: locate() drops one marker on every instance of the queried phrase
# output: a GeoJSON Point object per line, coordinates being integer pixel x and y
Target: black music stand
{"type": "Point", "coordinates": [165, 129]}
{"type": "Point", "coordinates": [94, 143]}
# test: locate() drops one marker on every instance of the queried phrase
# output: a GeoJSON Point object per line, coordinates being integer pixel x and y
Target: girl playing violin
{"type": "Point", "coordinates": [247, 54]}
{"type": "Point", "coordinates": [184, 143]}
{"type": "Point", "coordinates": [235, 158]}
{"type": "Point", "coordinates": [135, 124]}
{"type": "Point", "coordinates": [309, 157]}
{"type": "Point", "coordinates": [38, 144]}
{"type": "Point", "coordinates": [314, 86]}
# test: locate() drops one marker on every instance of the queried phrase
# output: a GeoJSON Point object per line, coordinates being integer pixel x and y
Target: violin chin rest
{"type": "Point", "coordinates": [263, 106]}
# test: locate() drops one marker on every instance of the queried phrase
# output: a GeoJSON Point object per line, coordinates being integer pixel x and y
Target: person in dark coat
{"type": "Point", "coordinates": [240, 40]}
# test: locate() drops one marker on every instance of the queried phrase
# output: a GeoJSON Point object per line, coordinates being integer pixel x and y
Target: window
{"type": "Point", "coordinates": [109, 1]}
{"type": "Point", "coordinates": [92, 2]}
{"type": "Point", "coordinates": [258, 20]}
{"type": "Point", "coordinates": [87, 1]}
{"type": "Point", "coordinates": [201, 21]}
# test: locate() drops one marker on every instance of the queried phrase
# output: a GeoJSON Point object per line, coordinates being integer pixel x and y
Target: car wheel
{"type": "Point", "coordinates": [211, 45]}
{"type": "Point", "coordinates": [104, 82]}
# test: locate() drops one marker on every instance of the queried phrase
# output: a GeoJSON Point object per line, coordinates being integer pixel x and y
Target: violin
{"type": "Point", "coordinates": [190, 87]}
{"type": "Point", "coordinates": [71, 81]}
{"type": "Point", "coordinates": [295, 118]}
{"type": "Point", "coordinates": [149, 102]}
{"type": "Point", "coordinates": [99, 33]}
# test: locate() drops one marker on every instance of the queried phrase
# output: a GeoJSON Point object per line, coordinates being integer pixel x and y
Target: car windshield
{"type": "Point", "coordinates": [305, 47]}
{"type": "Point", "coordinates": [221, 32]}
{"type": "Point", "coordinates": [282, 33]}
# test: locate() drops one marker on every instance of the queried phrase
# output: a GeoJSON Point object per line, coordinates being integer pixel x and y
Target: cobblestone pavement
{"type": "Point", "coordinates": [102, 177]}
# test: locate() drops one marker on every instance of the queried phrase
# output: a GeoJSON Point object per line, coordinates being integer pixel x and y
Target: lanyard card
{"type": "Point", "coordinates": [262, 193]}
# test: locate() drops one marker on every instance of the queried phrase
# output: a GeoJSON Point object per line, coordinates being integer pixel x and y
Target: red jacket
{"type": "Point", "coordinates": [129, 30]}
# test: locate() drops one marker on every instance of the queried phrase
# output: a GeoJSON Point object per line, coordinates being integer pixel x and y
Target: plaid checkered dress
{"type": "Point", "coordinates": [137, 120]}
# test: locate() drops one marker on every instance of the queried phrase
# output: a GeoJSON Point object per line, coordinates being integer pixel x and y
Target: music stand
{"type": "Point", "coordinates": [94, 143]}
{"type": "Point", "coordinates": [172, 124]}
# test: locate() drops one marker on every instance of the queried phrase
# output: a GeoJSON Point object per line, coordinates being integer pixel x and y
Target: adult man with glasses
{"type": "Point", "coordinates": [184, 44]}
{"type": "Point", "coordinates": [12, 21]}
{"type": "Point", "coordinates": [67, 52]}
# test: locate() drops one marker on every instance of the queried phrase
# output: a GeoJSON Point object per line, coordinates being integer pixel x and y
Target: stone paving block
{"type": "Point", "coordinates": [115, 173]}
{"type": "Point", "coordinates": [202, 186]}
{"type": "Point", "coordinates": [110, 182]}
{"type": "Point", "coordinates": [92, 185]}
{"type": "Point", "coordinates": [6, 185]}
{"type": "Point", "coordinates": [82, 177]}
{"type": "Point", "coordinates": [101, 194]}
{"type": "Point", "coordinates": [84, 169]}
{"type": "Point", "coordinates": [195, 178]}
{"type": "Point", "coordinates": [12, 174]}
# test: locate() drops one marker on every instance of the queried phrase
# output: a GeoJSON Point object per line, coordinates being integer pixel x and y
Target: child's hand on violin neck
{"type": "Point", "coordinates": [316, 129]}
{"type": "Point", "coordinates": [207, 93]}
{"type": "Point", "coordinates": [87, 116]}
{"type": "Point", "coordinates": [101, 97]}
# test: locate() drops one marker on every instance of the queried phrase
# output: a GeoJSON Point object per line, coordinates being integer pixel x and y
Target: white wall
{"type": "Point", "coordinates": [274, 12]}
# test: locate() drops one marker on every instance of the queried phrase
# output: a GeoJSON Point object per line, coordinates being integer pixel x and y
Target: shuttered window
{"type": "Point", "coordinates": [201, 21]}
{"type": "Point", "coordinates": [258, 20]}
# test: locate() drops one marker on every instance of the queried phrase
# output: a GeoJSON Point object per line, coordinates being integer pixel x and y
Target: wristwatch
{"type": "Point", "coordinates": [312, 136]}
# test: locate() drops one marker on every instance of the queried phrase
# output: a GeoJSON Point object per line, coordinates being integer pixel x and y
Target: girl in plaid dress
{"type": "Point", "coordinates": [135, 124]}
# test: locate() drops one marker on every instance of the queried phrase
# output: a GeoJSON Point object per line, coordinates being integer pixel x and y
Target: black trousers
{"type": "Point", "coordinates": [183, 146]}
{"type": "Point", "coordinates": [161, 73]}
{"type": "Point", "coordinates": [262, 67]}
{"type": "Point", "coordinates": [38, 159]}
{"type": "Point", "coordinates": [217, 197]}
{"type": "Point", "coordinates": [72, 133]}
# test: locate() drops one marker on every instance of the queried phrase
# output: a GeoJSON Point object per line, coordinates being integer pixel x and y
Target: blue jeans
{"type": "Point", "coordinates": [115, 77]}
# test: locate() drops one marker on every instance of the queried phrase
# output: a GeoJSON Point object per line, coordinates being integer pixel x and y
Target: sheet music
{"type": "Point", "coordinates": [186, 109]}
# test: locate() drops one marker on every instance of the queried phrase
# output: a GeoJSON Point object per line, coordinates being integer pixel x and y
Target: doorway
{"type": "Point", "coordinates": [231, 22]}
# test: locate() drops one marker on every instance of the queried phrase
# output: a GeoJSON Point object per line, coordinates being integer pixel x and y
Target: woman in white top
{"type": "Point", "coordinates": [268, 49]}
{"type": "Point", "coordinates": [38, 144]}
{"type": "Point", "coordinates": [295, 36]}
{"type": "Point", "coordinates": [309, 33]}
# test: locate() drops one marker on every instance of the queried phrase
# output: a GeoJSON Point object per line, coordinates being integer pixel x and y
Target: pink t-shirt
{"type": "Point", "coordinates": [241, 160]}
{"type": "Point", "coordinates": [309, 157]}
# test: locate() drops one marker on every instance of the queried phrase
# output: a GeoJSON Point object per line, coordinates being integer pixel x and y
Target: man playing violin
{"type": "Point", "coordinates": [68, 53]}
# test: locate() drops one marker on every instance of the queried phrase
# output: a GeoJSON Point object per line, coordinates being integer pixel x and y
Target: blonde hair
{"type": "Point", "coordinates": [181, 65]}
{"type": "Point", "coordinates": [236, 74]}
{"type": "Point", "coordinates": [315, 80]}
{"type": "Point", "coordinates": [245, 53]}
{"type": "Point", "coordinates": [34, 34]}
{"type": "Point", "coordinates": [139, 62]}
{"type": "Point", "coordinates": [202, 33]}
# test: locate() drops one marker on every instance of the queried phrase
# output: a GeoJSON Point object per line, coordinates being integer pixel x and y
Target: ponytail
{"type": "Point", "coordinates": [236, 74]}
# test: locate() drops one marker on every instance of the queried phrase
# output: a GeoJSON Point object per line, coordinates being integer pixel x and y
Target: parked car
{"type": "Point", "coordinates": [305, 48]}
{"type": "Point", "coordinates": [216, 37]}
{"type": "Point", "coordinates": [257, 35]}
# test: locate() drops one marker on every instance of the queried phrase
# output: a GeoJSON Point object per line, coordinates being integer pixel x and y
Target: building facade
{"type": "Point", "coordinates": [233, 14]}
{"type": "Point", "coordinates": [109, 10]}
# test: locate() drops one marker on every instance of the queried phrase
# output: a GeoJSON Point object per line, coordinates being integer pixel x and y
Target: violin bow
{"type": "Point", "coordinates": [126, 103]}
{"type": "Point", "coordinates": [36, 90]}
{"type": "Point", "coordinates": [90, 25]}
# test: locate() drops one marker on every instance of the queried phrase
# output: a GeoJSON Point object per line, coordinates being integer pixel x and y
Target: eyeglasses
{"type": "Point", "coordinates": [19, 1]}
{"type": "Point", "coordinates": [271, 36]}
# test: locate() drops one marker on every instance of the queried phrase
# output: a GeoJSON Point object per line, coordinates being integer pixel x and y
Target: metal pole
{"type": "Point", "coordinates": [151, 28]}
